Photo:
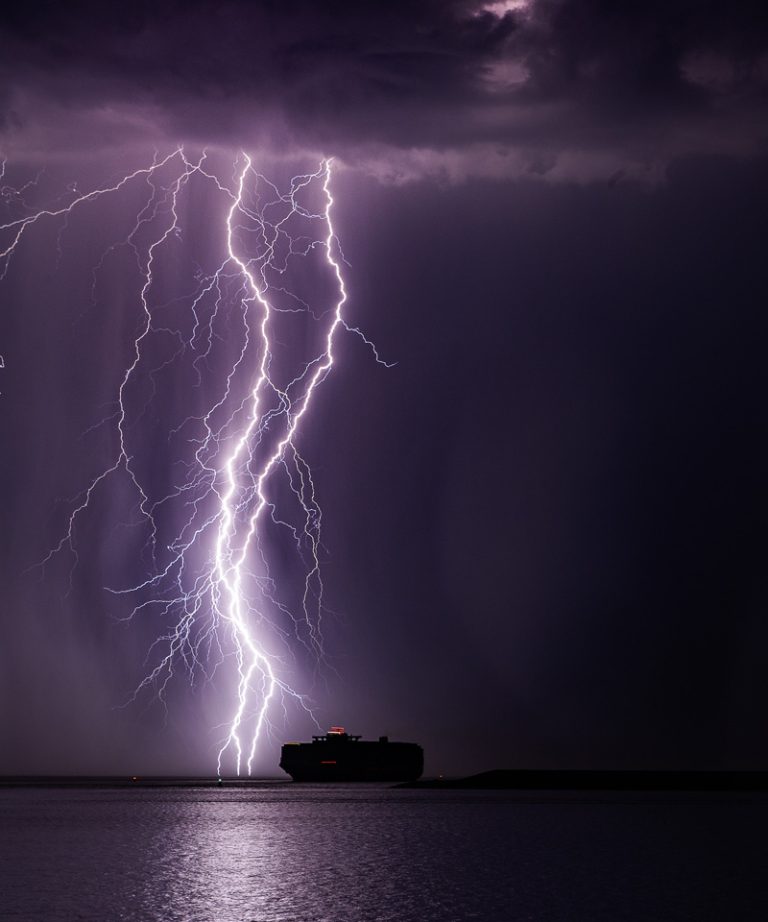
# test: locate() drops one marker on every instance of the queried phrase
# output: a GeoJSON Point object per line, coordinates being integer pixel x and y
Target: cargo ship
{"type": "Point", "coordinates": [339, 756]}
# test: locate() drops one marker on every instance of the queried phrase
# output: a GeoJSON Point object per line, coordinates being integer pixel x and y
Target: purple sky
{"type": "Point", "coordinates": [544, 526]}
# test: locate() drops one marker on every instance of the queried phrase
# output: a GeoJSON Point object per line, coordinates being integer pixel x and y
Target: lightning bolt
{"type": "Point", "coordinates": [210, 580]}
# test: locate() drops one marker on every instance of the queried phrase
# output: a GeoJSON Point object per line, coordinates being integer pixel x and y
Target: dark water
{"type": "Point", "coordinates": [286, 853]}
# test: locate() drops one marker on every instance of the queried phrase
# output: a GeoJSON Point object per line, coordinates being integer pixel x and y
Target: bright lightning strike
{"type": "Point", "coordinates": [208, 535]}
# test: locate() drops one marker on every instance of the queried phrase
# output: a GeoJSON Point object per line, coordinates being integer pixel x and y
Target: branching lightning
{"type": "Point", "coordinates": [209, 575]}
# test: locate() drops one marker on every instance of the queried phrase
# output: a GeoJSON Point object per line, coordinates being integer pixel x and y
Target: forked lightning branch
{"type": "Point", "coordinates": [211, 585]}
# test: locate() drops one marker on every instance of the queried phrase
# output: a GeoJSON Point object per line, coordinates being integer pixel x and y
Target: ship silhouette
{"type": "Point", "coordinates": [339, 756]}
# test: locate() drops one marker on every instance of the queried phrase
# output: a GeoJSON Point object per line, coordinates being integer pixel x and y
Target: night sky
{"type": "Point", "coordinates": [544, 527]}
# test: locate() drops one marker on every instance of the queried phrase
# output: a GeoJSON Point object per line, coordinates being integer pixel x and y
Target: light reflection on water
{"type": "Point", "coordinates": [289, 853]}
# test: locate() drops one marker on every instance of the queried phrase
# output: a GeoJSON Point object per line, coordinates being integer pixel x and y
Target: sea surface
{"type": "Point", "coordinates": [293, 853]}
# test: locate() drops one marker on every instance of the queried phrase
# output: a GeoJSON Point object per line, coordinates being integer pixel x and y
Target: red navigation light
{"type": "Point", "coordinates": [337, 730]}
{"type": "Point", "coordinates": [329, 762]}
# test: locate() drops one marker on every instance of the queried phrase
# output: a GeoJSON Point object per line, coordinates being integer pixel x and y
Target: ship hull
{"type": "Point", "coordinates": [347, 761]}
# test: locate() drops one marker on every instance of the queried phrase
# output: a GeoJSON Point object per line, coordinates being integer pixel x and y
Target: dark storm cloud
{"type": "Point", "coordinates": [550, 86]}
